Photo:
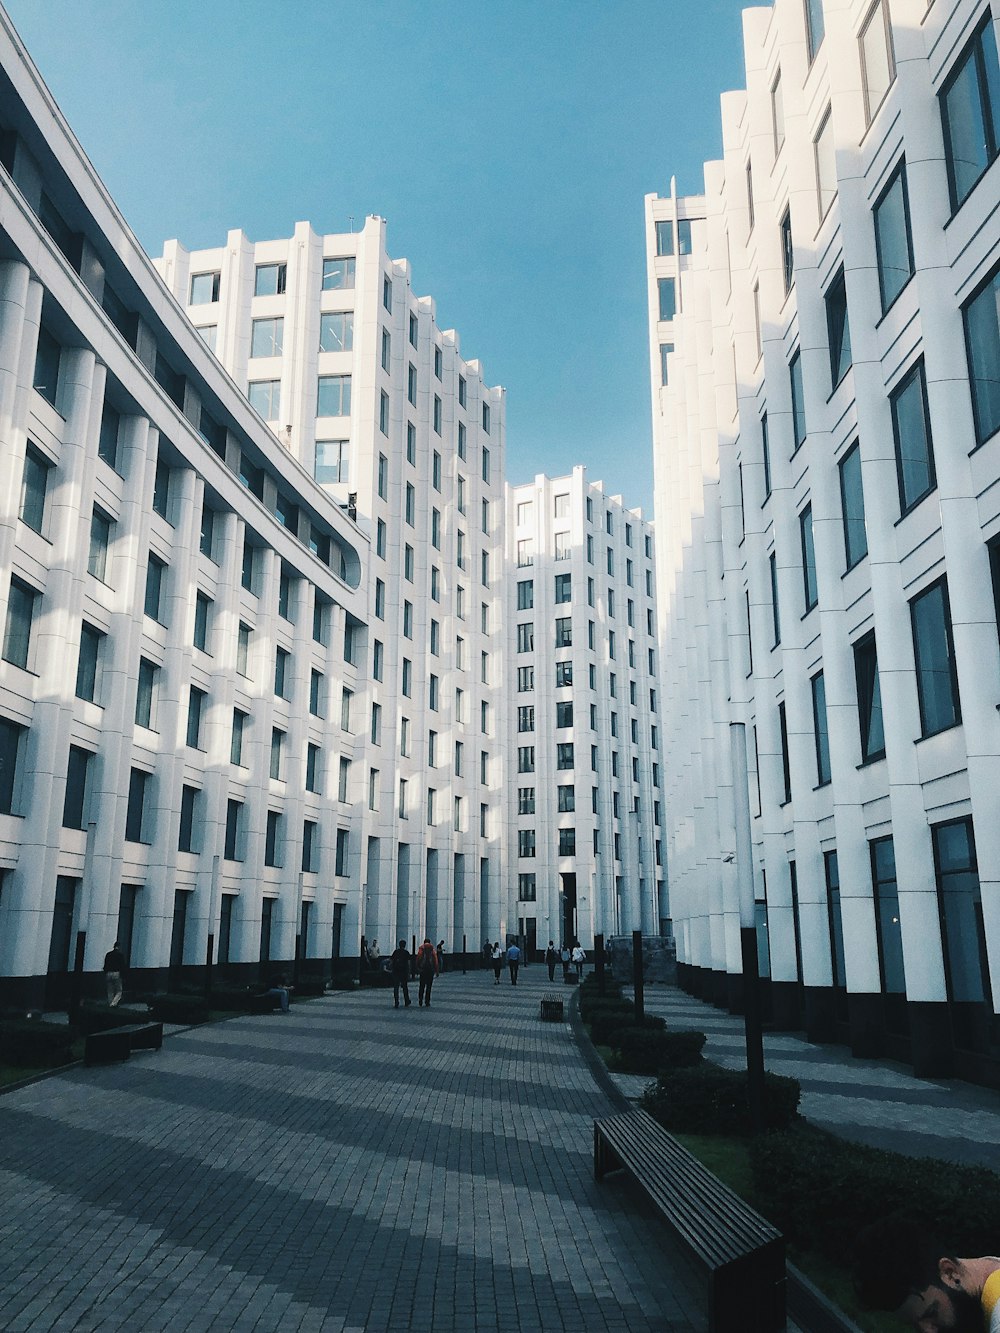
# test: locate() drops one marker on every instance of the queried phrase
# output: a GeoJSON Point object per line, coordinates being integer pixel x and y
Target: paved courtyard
{"type": "Point", "coordinates": [347, 1167]}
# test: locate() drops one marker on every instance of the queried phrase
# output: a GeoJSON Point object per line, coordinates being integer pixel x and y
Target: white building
{"type": "Point", "coordinates": [363, 390]}
{"type": "Point", "coordinates": [175, 596]}
{"type": "Point", "coordinates": [827, 467]}
{"type": "Point", "coordinates": [584, 843]}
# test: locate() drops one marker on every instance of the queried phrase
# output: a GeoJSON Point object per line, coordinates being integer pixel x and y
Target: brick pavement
{"type": "Point", "coordinates": [347, 1167]}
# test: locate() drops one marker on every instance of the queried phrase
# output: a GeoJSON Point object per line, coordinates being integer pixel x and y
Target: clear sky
{"type": "Point", "coordinates": [509, 143]}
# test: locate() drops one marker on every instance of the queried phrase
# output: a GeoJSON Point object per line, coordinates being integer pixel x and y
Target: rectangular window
{"type": "Point", "coordinates": [772, 561]}
{"type": "Point", "coordinates": [798, 400]}
{"type": "Point", "coordinates": [267, 336]}
{"type": "Point", "coordinates": [88, 667]}
{"type": "Point", "coordinates": [525, 679]}
{"type": "Point", "coordinates": [960, 909]}
{"type": "Point", "coordinates": [809, 588]}
{"type": "Point", "coordinates": [47, 358]}
{"type": "Point", "coordinates": [838, 329]}
{"type": "Point", "coordinates": [314, 769]}
{"type": "Point", "coordinates": [564, 673]}
{"type": "Point", "coordinates": [666, 349]}
{"type": "Point", "coordinates": [437, 415]}
{"type": "Point", "coordinates": [912, 434]}
{"type": "Point", "coordinates": [411, 384]}
{"type": "Point", "coordinates": [820, 729]}
{"type": "Point", "coordinates": [787, 251]}
{"type": "Point", "coordinates": [664, 238]}
{"type": "Point", "coordinates": [333, 396]}
{"type": "Point", "coordinates": [885, 892]}
{"type": "Point", "coordinates": [247, 571]}
{"type": "Point", "coordinates": [564, 755]}
{"type": "Point", "coordinates": [825, 157]}
{"type": "Point", "coordinates": [383, 413]}
{"type": "Point", "coordinates": [202, 621]}
{"type": "Point", "coordinates": [265, 398]}
{"type": "Point", "coordinates": [34, 483]}
{"type": "Point", "coordinates": [135, 811]}
{"type": "Point", "coordinates": [869, 699]}
{"type": "Point", "coordinates": [934, 657]}
{"type": "Point", "coordinates": [786, 772]}
{"type": "Point", "coordinates": [567, 842]}
{"type": "Point", "coordinates": [878, 67]}
{"type": "Point", "coordinates": [309, 827]}
{"type": "Point", "coordinates": [343, 780]}
{"type": "Point", "coordinates": [852, 504]}
{"type": "Point", "coordinates": [11, 734]}
{"type": "Point", "coordinates": [277, 768]}
{"type": "Point", "coordinates": [893, 244]}
{"type": "Point", "coordinates": [815, 27]}
{"type": "Point", "coordinates": [526, 718]}
{"type": "Point", "coordinates": [341, 865]}
{"type": "Point", "coordinates": [336, 331]}
{"type": "Point", "coordinates": [190, 800]}
{"type": "Point", "coordinates": [338, 274]}
{"type": "Point", "coordinates": [196, 712]}
{"type": "Point", "coordinates": [564, 713]}
{"type": "Point", "coordinates": [273, 839]}
{"type": "Point", "coordinates": [75, 799]}
{"type": "Point", "coordinates": [667, 293]}
{"type": "Point", "coordinates": [204, 288]}
{"type": "Point", "coordinates": [282, 673]}
{"type": "Point", "coordinates": [564, 632]}
{"type": "Point", "coordinates": [21, 604]}
{"type": "Point", "coordinates": [564, 588]}
{"type": "Point", "coordinates": [525, 595]}
{"type": "Point", "coordinates": [526, 759]}
{"type": "Point", "coordinates": [107, 445]}
{"type": "Point", "coordinates": [778, 118]}
{"type": "Point", "coordinates": [269, 279]}
{"type": "Point", "coordinates": [145, 699]}
{"type": "Point", "coordinates": [982, 346]}
{"type": "Point", "coordinates": [240, 720]}
{"type": "Point", "coordinates": [970, 112]}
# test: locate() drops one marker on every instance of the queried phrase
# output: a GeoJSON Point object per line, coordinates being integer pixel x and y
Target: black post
{"type": "Point", "coordinates": [361, 960]}
{"type": "Point", "coordinates": [753, 1027]}
{"type": "Point", "coordinates": [298, 954]}
{"type": "Point", "coordinates": [463, 955]}
{"type": "Point", "coordinates": [76, 982]}
{"type": "Point", "coordinates": [209, 951]}
{"type": "Point", "coordinates": [413, 957]}
{"type": "Point", "coordinates": [640, 1011]}
{"type": "Point", "coordinates": [599, 962]}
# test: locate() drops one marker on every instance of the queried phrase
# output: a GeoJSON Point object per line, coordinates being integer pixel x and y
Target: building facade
{"type": "Point", "coordinates": [363, 389]}
{"type": "Point", "coordinates": [584, 841]}
{"type": "Point", "coordinates": [827, 436]}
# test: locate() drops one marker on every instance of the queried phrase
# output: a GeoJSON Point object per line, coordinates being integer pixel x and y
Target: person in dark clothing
{"type": "Point", "coordinates": [551, 958]}
{"type": "Point", "coordinates": [427, 970]}
{"type": "Point", "coordinates": [400, 961]}
{"type": "Point", "coordinates": [278, 988]}
{"type": "Point", "coordinates": [440, 952]}
{"type": "Point", "coordinates": [513, 962]}
{"type": "Point", "coordinates": [114, 969]}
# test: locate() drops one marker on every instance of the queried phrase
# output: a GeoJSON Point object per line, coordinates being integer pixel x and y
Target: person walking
{"type": "Point", "coordinates": [496, 958]}
{"type": "Point", "coordinates": [400, 961]}
{"type": "Point", "coordinates": [551, 958]}
{"type": "Point", "coordinates": [513, 962]}
{"type": "Point", "coordinates": [565, 956]}
{"type": "Point", "coordinates": [427, 970]}
{"type": "Point", "coordinates": [579, 958]}
{"type": "Point", "coordinates": [114, 969]}
{"type": "Point", "coordinates": [440, 952]}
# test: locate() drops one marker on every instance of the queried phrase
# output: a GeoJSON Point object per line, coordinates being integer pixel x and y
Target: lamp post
{"type": "Point", "coordinates": [748, 928]}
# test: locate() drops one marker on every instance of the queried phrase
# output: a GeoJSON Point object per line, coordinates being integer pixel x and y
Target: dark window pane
{"type": "Point", "coordinates": [982, 345]}
{"type": "Point", "coordinates": [912, 432]}
{"type": "Point", "coordinates": [934, 654]}
{"type": "Point", "coordinates": [892, 238]}
{"type": "Point", "coordinates": [852, 503]}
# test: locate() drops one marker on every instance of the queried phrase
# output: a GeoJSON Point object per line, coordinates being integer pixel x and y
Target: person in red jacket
{"type": "Point", "coordinates": [427, 970]}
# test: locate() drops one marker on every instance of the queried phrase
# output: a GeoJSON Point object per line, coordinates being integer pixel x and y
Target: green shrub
{"type": "Point", "coordinates": [185, 1010]}
{"type": "Point", "coordinates": [34, 1044]}
{"type": "Point", "coordinates": [605, 1026]}
{"type": "Point", "coordinates": [600, 1008]}
{"type": "Point", "coordinates": [645, 1050]}
{"type": "Point", "coordinates": [710, 1100]}
{"type": "Point", "coordinates": [821, 1190]}
{"type": "Point", "coordinates": [100, 1017]}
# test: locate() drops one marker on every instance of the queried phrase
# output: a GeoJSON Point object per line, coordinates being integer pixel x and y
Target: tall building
{"type": "Point", "coordinates": [585, 812]}
{"type": "Point", "coordinates": [827, 434]}
{"type": "Point", "coordinates": [363, 390]}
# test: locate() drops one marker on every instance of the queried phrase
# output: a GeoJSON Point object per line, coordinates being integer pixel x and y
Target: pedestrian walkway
{"type": "Point", "coordinates": [878, 1102]}
{"type": "Point", "coordinates": [347, 1167]}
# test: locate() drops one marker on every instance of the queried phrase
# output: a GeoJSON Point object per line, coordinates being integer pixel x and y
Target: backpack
{"type": "Point", "coordinates": [425, 958]}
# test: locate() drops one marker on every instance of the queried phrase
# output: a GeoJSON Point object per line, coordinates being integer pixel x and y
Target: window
{"type": "Point", "coordinates": [196, 711]}
{"type": "Point", "coordinates": [208, 332]}
{"type": "Point", "coordinates": [970, 112]}
{"type": "Point", "coordinates": [436, 529]}
{"type": "Point", "coordinates": [878, 68]}
{"type": "Point", "coordinates": [912, 434]}
{"type": "Point", "coordinates": [486, 430]}
{"type": "Point", "coordinates": [526, 718]}
{"type": "Point", "coordinates": [88, 665]}
{"type": "Point", "coordinates": [815, 27]}
{"type": "Point", "coordinates": [787, 251]}
{"type": "Point", "coordinates": [565, 798]}
{"type": "Point", "coordinates": [525, 595]}
{"type": "Point", "coordinates": [777, 116]}
{"type": "Point", "coordinates": [135, 811]}
{"type": "Point", "coordinates": [526, 759]}
{"type": "Point", "coordinates": [267, 336]}
{"type": "Point", "coordinates": [798, 400]}
{"type": "Point", "coordinates": [202, 614]}
{"type": "Point", "coordinates": [341, 861]}
{"type": "Point", "coordinates": [243, 649]}
{"type": "Point", "coordinates": [820, 730]}
{"type": "Point", "coordinates": [190, 800]}
{"type": "Point", "coordinates": [666, 289]}
{"type": "Point", "coordinates": [982, 346]}
{"type": "Point", "coordinates": [564, 588]}
{"type": "Point", "coordinates": [282, 680]}
{"type": "Point", "coordinates": [786, 772]}
{"type": "Point", "coordinates": [380, 599]}
{"type": "Point", "coordinates": [343, 781]}
{"type": "Point", "coordinates": [206, 540]}
{"type": "Point", "coordinates": [824, 153]}
{"type": "Point", "coordinates": [313, 769]}
{"type": "Point", "coordinates": [564, 673]}
{"type": "Point", "coordinates": [462, 438]}
{"type": "Point", "coordinates": [564, 713]}
{"type": "Point", "coordinates": [563, 548]}
{"type": "Point", "coordinates": [564, 632]}
{"type": "Point", "coordinates": [665, 350]}
{"type": "Point", "coordinates": [269, 279]}
{"type": "Point", "coordinates": [838, 329]}
{"type": "Point", "coordinates": [564, 755]}
{"type": "Point", "coordinates": [885, 892]}
{"type": "Point", "coordinates": [145, 699]}
{"type": "Point", "coordinates": [107, 445]}
{"type": "Point", "coordinates": [809, 588]}
{"type": "Point", "coordinates": [333, 396]}
{"type": "Point", "coordinates": [383, 416]}
{"type": "Point", "coordinates": [321, 618]}
{"type": "Point", "coordinates": [852, 504]}
{"type": "Point", "coordinates": [75, 798]}
{"type": "Point", "coordinates": [376, 724]}
{"type": "Point", "coordinates": [437, 415]}
{"type": "Point", "coordinates": [561, 506]}
{"type": "Point", "coordinates": [309, 827]}
{"type": "Point", "coordinates": [567, 842]}
{"type": "Point", "coordinates": [765, 447]}
{"type": "Point", "coordinates": [336, 332]}
{"type": "Point", "coordinates": [46, 374]}
{"type": "Point", "coordinates": [893, 246]}
{"type": "Point", "coordinates": [934, 658]}
{"type": "Point", "coordinates": [407, 677]}
{"type": "Point", "coordinates": [407, 620]}
{"type": "Point", "coordinates": [204, 288]}
{"type": "Point", "coordinates": [373, 778]}
{"type": "Point", "coordinates": [525, 553]}
{"type": "Point", "coordinates": [387, 293]}
{"type": "Point", "coordinates": [433, 693]}
{"type": "Point", "coordinates": [338, 274]}
{"type": "Point", "coordinates": [526, 842]}
{"type": "Point", "coordinates": [750, 217]}
{"type": "Point", "coordinates": [345, 709]}
{"type": "Point", "coordinates": [869, 699]}
{"type": "Point", "coordinates": [247, 572]}
{"type": "Point", "coordinates": [435, 584]}
{"type": "Point", "coordinates": [525, 679]}
{"type": "Point", "coordinates": [273, 839]}
{"type": "Point", "coordinates": [265, 398]}
{"type": "Point", "coordinates": [772, 561]}
{"type": "Point", "coordinates": [664, 238]}
{"type": "Point", "coordinates": [277, 768]}
{"type": "Point", "coordinates": [236, 741]}
{"type": "Point", "coordinates": [21, 604]}
{"type": "Point", "coordinates": [960, 908]}
{"type": "Point", "coordinates": [34, 482]}
{"type": "Point", "coordinates": [10, 753]}
{"type": "Point", "coordinates": [386, 350]}
{"type": "Point", "coordinates": [411, 384]}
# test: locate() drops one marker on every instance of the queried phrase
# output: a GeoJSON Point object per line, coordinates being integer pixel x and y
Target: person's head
{"type": "Point", "coordinates": [899, 1267]}
{"type": "Point", "coordinates": [402, 944]}
{"type": "Point", "coordinates": [550, 944]}
{"type": "Point", "coordinates": [427, 939]}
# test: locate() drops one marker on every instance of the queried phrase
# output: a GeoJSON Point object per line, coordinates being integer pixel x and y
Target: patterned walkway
{"type": "Point", "coordinates": [347, 1167]}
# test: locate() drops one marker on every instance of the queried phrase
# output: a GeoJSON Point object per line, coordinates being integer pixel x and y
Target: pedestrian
{"type": "Point", "coordinates": [373, 954]}
{"type": "Point", "coordinates": [400, 961]}
{"type": "Point", "coordinates": [579, 958]}
{"type": "Point", "coordinates": [551, 958]}
{"type": "Point", "coordinates": [114, 968]}
{"type": "Point", "coordinates": [899, 1267]}
{"type": "Point", "coordinates": [427, 970]}
{"type": "Point", "coordinates": [513, 962]}
{"type": "Point", "coordinates": [496, 958]}
{"type": "Point", "coordinates": [277, 988]}
{"type": "Point", "coordinates": [565, 956]}
{"type": "Point", "coordinates": [441, 954]}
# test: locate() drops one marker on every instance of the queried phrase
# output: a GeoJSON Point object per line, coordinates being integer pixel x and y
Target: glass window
{"type": "Point", "coordinates": [836, 925]}
{"type": "Point", "coordinates": [17, 631]}
{"type": "Point", "coordinates": [665, 351]}
{"type": "Point", "coordinates": [934, 658]}
{"type": "Point", "coordinates": [145, 698]}
{"type": "Point", "coordinates": [564, 673]}
{"type": "Point", "coordinates": [888, 935]}
{"type": "Point", "coordinates": [765, 446]}
{"type": "Point", "coordinates": [564, 632]}
{"type": "Point", "coordinates": [107, 446]}
{"type": "Point", "coordinates": [772, 561]}
{"type": "Point", "coordinates": [332, 457]}
{"type": "Point", "coordinates": [564, 713]}
{"type": "Point", "coordinates": [982, 346]}
{"type": "Point", "coordinates": [190, 799]}
{"type": "Point", "coordinates": [563, 548]}
{"type": "Point", "coordinates": [88, 663]}
{"type": "Point", "coordinates": [838, 329]}
{"type": "Point", "coordinates": [869, 699]}
{"type": "Point", "coordinates": [826, 165]}
{"type": "Point", "coordinates": [46, 373]}
{"type": "Point", "coordinates": [787, 250]}
{"type": "Point", "coordinates": [878, 69]}
{"type": "Point", "coordinates": [10, 753]}
{"type": "Point", "coordinates": [567, 842]}
{"type": "Point", "coordinates": [912, 433]}
{"type": "Point", "coordinates": [34, 482]}
{"type": "Point", "coordinates": [526, 759]}
{"type": "Point", "coordinates": [778, 115]}
{"type": "Point", "coordinates": [961, 913]}
{"type": "Point", "coordinates": [269, 279]}
{"type": "Point", "coordinates": [196, 711]}
{"type": "Point", "coordinates": [333, 397]}
{"type": "Point", "coordinates": [666, 288]}
{"type": "Point", "coordinates": [204, 288]}
{"type": "Point", "coordinates": [411, 384]}
{"type": "Point", "coordinates": [799, 430]}
{"type": "Point", "coordinates": [526, 638]}
{"type": "Point", "coordinates": [336, 331]}
{"type": "Point", "coordinates": [281, 673]}
{"type": "Point", "coordinates": [564, 589]}
{"type": "Point", "coordinates": [786, 772]}
{"type": "Point", "coordinates": [265, 398]}
{"type": "Point", "coordinates": [852, 504]}
{"type": "Point", "coordinates": [338, 274]}
{"type": "Point", "coordinates": [564, 755]}
{"type": "Point", "coordinates": [815, 27]}
{"type": "Point", "coordinates": [683, 236]}
{"type": "Point", "coordinates": [135, 811]}
{"type": "Point", "coordinates": [809, 587]}
{"type": "Point", "coordinates": [266, 336]}
{"type": "Point", "coordinates": [893, 246]}
{"type": "Point", "coordinates": [820, 730]}
{"type": "Point", "coordinates": [664, 238]}
{"type": "Point", "coordinates": [970, 112]}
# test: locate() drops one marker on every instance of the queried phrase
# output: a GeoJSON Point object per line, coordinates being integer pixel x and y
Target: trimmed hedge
{"type": "Point", "coordinates": [184, 1010]}
{"type": "Point", "coordinates": [34, 1044]}
{"type": "Point", "coordinates": [100, 1018]}
{"type": "Point", "coordinates": [595, 1009]}
{"type": "Point", "coordinates": [605, 1026]}
{"type": "Point", "coordinates": [821, 1190]}
{"type": "Point", "coordinates": [650, 1050]}
{"type": "Point", "coordinates": [710, 1100]}
{"type": "Point", "coordinates": [239, 1002]}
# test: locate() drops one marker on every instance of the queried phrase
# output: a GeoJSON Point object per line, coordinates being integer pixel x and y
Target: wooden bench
{"type": "Point", "coordinates": [551, 1009]}
{"type": "Point", "coordinates": [744, 1253]}
{"type": "Point", "coordinates": [118, 1043]}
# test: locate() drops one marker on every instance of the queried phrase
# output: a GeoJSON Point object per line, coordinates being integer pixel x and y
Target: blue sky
{"type": "Point", "coordinates": [509, 144]}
